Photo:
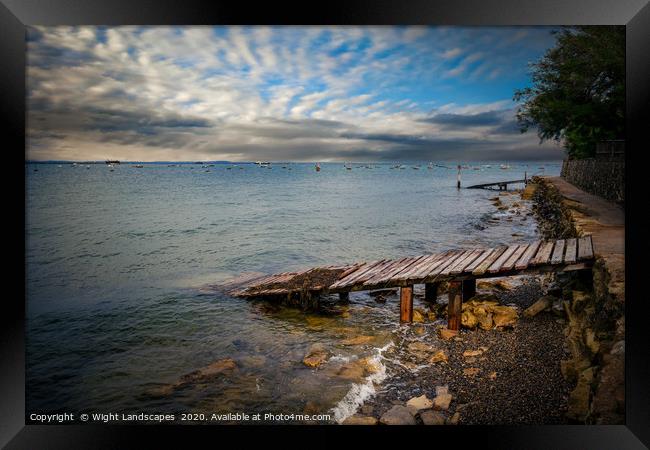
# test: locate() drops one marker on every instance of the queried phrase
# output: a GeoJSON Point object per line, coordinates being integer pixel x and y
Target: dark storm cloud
{"type": "Point", "coordinates": [488, 118]}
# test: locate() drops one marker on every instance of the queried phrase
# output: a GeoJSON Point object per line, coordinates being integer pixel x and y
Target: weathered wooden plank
{"type": "Point", "coordinates": [496, 266]}
{"type": "Point", "coordinates": [523, 262]}
{"type": "Point", "coordinates": [388, 274]}
{"type": "Point", "coordinates": [446, 262]}
{"type": "Point", "coordinates": [460, 266]}
{"type": "Point", "coordinates": [558, 252]}
{"type": "Point", "coordinates": [396, 264]}
{"type": "Point", "coordinates": [585, 248]}
{"type": "Point", "coordinates": [354, 275]}
{"type": "Point", "coordinates": [427, 266]}
{"type": "Point", "coordinates": [543, 254]}
{"type": "Point", "coordinates": [435, 267]}
{"type": "Point", "coordinates": [571, 250]}
{"type": "Point", "coordinates": [510, 263]}
{"type": "Point", "coordinates": [261, 281]}
{"type": "Point", "coordinates": [404, 274]}
{"type": "Point", "coordinates": [487, 262]}
{"type": "Point", "coordinates": [447, 269]}
{"type": "Point", "coordinates": [241, 280]}
{"type": "Point", "coordinates": [376, 270]}
{"type": "Point", "coordinates": [353, 268]}
{"type": "Point", "coordinates": [474, 264]}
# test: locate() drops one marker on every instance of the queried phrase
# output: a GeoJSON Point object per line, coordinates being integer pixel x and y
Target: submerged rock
{"type": "Point", "coordinates": [202, 375]}
{"type": "Point", "coordinates": [397, 415]}
{"type": "Point", "coordinates": [358, 340]}
{"type": "Point", "coordinates": [316, 355]}
{"type": "Point", "coordinates": [354, 370]}
{"type": "Point", "coordinates": [212, 370]}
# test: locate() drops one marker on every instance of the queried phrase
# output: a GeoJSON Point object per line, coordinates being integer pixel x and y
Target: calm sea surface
{"type": "Point", "coordinates": [118, 263]}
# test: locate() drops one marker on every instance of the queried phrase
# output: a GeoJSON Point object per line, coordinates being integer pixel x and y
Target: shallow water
{"type": "Point", "coordinates": [117, 264]}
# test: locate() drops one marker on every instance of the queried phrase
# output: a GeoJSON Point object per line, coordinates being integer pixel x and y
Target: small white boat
{"type": "Point", "coordinates": [138, 166]}
{"type": "Point", "coordinates": [504, 166]}
{"type": "Point", "coordinates": [317, 167]}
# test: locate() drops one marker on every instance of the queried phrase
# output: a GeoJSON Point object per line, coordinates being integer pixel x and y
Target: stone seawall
{"type": "Point", "coordinates": [600, 177]}
{"type": "Point", "coordinates": [594, 304]}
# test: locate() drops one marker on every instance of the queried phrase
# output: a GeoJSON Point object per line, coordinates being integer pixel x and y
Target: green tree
{"type": "Point", "coordinates": [578, 92]}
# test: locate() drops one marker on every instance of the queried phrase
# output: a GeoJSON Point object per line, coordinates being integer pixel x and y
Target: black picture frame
{"type": "Point", "coordinates": [15, 15]}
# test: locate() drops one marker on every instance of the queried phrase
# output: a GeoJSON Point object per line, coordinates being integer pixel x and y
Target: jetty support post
{"type": "Point", "coordinates": [430, 292]}
{"type": "Point", "coordinates": [468, 289]}
{"type": "Point", "coordinates": [344, 296]}
{"type": "Point", "coordinates": [406, 304]}
{"type": "Point", "coordinates": [309, 300]}
{"type": "Point", "coordinates": [458, 178]}
{"type": "Point", "coordinates": [525, 178]}
{"type": "Point", "coordinates": [455, 306]}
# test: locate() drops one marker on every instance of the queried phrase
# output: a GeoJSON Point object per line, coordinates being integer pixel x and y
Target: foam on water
{"type": "Point", "coordinates": [360, 392]}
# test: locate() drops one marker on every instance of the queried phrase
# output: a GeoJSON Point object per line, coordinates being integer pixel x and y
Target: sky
{"type": "Point", "coordinates": [389, 93]}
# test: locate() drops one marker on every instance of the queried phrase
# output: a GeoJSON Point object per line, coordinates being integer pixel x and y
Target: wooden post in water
{"type": "Point", "coordinates": [525, 178]}
{"type": "Point", "coordinates": [455, 307]}
{"type": "Point", "coordinates": [344, 296]}
{"type": "Point", "coordinates": [458, 178]}
{"type": "Point", "coordinates": [406, 304]}
{"type": "Point", "coordinates": [469, 289]}
{"type": "Point", "coordinates": [430, 292]}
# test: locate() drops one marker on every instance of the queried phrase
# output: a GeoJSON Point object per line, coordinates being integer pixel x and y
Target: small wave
{"type": "Point", "coordinates": [341, 358]}
{"type": "Point", "coordinates": [360, 392]}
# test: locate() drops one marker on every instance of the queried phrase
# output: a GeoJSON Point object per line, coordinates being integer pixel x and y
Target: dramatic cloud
{"type": "Point", "coordinates": [280, 93]}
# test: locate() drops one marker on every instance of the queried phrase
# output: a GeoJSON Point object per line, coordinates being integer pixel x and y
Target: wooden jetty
{"type": "Point", "coordinates": [461, 268]}
{"type": "Point", "coordinates": [500, 185]}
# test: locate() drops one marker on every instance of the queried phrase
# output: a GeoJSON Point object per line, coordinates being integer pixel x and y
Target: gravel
{"type": "Point", "coordinates": [528, 387]}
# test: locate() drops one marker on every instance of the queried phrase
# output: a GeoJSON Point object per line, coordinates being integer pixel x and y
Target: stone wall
{"type": "Point", "coordinates": [600, 177]}
{"type": "Point", "coordinates": [594, 311]}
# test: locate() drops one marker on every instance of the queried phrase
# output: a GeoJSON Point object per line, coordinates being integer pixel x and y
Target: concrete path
{"type": "Point", "coordinates": [605, 221]}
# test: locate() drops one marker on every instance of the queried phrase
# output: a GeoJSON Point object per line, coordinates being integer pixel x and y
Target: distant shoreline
{"type": "Point", "coordinates": [523, 162]}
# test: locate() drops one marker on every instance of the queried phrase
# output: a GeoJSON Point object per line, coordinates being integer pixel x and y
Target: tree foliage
{"type": "Point", "coordinates": [578, 92]}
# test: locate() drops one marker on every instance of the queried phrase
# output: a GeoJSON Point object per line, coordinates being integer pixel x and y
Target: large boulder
{"type": "Point", "coordinates": [468, 320]}
{"type": "Point", "coordinates": [504, 316]}
{"type": "Point", "coordinates": [418, 315]}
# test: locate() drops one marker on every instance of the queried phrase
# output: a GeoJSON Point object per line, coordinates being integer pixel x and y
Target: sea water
{"type": "Point", "coordinates": [119, 265]}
